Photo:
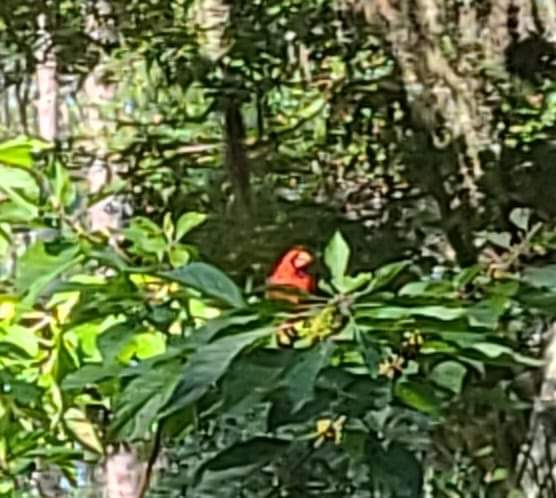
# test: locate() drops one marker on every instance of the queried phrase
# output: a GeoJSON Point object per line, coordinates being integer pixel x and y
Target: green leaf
{"type": "Point", "coordinates": [215, 326]}
{"type": "Point", "coordinates": [188, 222]}
{"type": "Point", "coordinates": [418, 395]}
{"type": "Point", "coordinates": [114, 339]}
{"type": "Point", "coordinates": [487, 313]}
{"type": "Point", "coordinates": [208, 364]}
{"type": "Point", "coordinates": [494, 351]}
{"type": "Point", "coordinates": [502, 239]}
{"type": "Point", "coordinates": [466, 276]}
{"type": "Point", "coordinates": [398, 312]}
{"type": "Point", "coordinates": [449, 374]}
{"type": "Point", "coordinates": [20, 208]}
{"type": "Point", "coordinates": [395, 469]}
{"type": "Point", "coordinates": [140, 404]}
{"type": "Point", "coordinates": [386, 274]}
{"type": "Point", "coordinates": [544, 276]}
{"type": "Point", "coordinates": [91, 375]}
{"type": "Point", "coordinates": [241, 460]}
{"type": "Point", "coordinates": [208, 280]}
{"type": "Point", "coordinates": [21, 337]}
{"type": "Point", "coordinates": [18, 152]}
{"type": "Point", "coordinates": [301, 376]}
{"type": "Point", "coordinates": [249, 379]}
{"type": "Point", "coordinates": [520, 218]}
{"type": "Point", "coordinates": [179, 255]}
{"type": "Point", "coordinates": [37, 269]}
{"type": "Point", "coordinates": [336, 256]}
{"type": "Point", "coordinates": [349, 284]}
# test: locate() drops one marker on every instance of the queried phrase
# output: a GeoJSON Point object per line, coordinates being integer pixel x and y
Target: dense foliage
{"type": "Point", "coordinates": [416, 165]}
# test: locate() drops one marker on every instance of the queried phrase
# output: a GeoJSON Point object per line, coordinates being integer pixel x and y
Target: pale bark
{"type": "Point", "coordinates": [107, 214]}
{"type": "Point", "coordinates": [537, 462]}
{"type": "Point", "coordinates": [124, 475]}
{"type": "Point", "coordinates": [47, 87]}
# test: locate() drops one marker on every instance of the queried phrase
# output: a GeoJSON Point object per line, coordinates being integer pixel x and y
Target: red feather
{"type": "Point", "coordinates": [291, 272]}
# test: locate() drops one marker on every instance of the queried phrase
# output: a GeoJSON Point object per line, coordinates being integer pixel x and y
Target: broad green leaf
{"type": "Point", "coordinates": [395, 469]}
{"type": "Point", "coordinates": [19, 151]}
{"type": "Point", "coordinates": [520, 218]}
{"type": "Point", "coordinates": [426, 289]}
{"type": "Point", "coordinates": [20, 180]}
{"type": "Point", "coordinates": [37, 268]}
{"type": "Point", "coordinates": [90, 375]}
{"type": "Point", "coordinates": [543, 276]}
{"type": "Point", "coordinates": [418, 395]}
{"type": "Point", "coordinates": [503, 239]}
{"type": "Point", "coordinates": [22, 337]}
{"type": "Point", "coordinates": [213, 327]}
{"type": "Point", "coordinates": [251, 377]}
{"type": "Point", "coordinates": [498, 351]}
{"type": "Point", "coordinates": [242, 459]}
{"type": "Point", "coordinates": [20, 208]}
{"type": "Point", "coordinates": [114, 339]}
{"type": "Point", "coordinates": [188, 222]}
{"type": "Point", "coordinates": [208, 280]}
{"type": "Point", "coordinates": [336, 256]}
{"type": "Point", "coordinates": [301, 376]}
{"type": "Point", "coordinates": [398, 312]}
{"type": "Point", "coordinates": [208, 364]}
{"type": "Point", "coordinates": [147, 236]}
{"type": "Point", "coordinates": [369, 352]}
{"type": "Point", "coordinates": [146, 345]}
{"type": "Point", "coordinates": [449, 374]}
{"type": "Point", "coordinates": [466, 276]}
{"type": "Point", "coordinates": [386, 274]}
{"type": "Point", "coordinates": [141, 402]}
{"type": "Point", "coordinates": [349, 284]}
{"type": "Point", "coordinates": [487, 312]}
{"type": "Point", "coordinates": [24, 393]}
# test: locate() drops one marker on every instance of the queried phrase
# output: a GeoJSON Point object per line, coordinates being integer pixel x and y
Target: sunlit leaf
{"type": "Point", "coordinates": [187, 222]}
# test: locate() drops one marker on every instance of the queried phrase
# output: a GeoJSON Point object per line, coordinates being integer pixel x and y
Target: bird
{"type": "Point", "coordinates": [288, 281]}
{"type": "Point", "coordinates": [290, 278]}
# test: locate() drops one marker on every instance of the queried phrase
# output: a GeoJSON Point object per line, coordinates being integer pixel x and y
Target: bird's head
{"type": "Point", "coordinates": [299, 258]}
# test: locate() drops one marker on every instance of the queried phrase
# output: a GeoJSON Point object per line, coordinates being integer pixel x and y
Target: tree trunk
{"type": "Point", "coordinates": [47, 98]}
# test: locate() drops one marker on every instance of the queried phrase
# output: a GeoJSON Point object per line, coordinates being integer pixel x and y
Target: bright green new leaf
{"type": "Point", "coordinates": [18, 152]}
{"type": "Point", "coordinates": [187, 222]}
{"type": "Point", "coordinates": [336, 256]}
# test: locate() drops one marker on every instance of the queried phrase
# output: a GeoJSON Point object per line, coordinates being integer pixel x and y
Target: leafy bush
{"type": "Point", "coordinates": [108, 340]}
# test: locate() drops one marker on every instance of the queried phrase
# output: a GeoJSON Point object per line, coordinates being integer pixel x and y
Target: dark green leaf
{"type": "Point", "coordinates": [449, 374]}
{"type": "Point", "coordinates": [208, 280]}
{"type": "Point", "coordinates": [418, 395]}
{"type": "Point", "coordinates": [386, 274]}
{"type": "Point", "coordinates": [208, 364]}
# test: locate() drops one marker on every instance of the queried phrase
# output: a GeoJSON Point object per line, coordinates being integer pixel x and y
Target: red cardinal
{"type": "Point", "coordinates": [287, 282]}
{"type": "Point", "coordinates": [290, 273]}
